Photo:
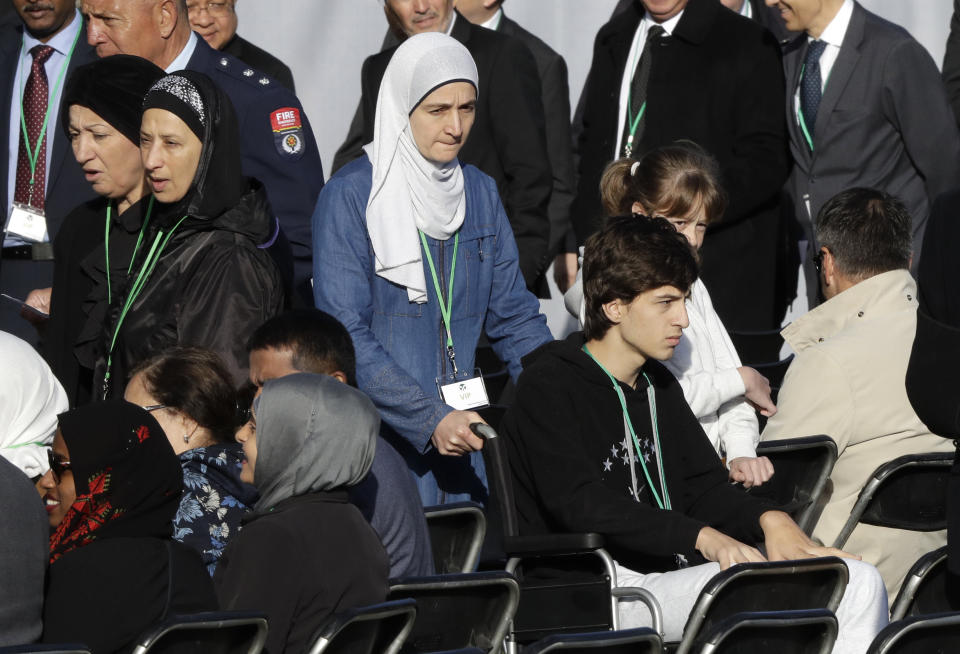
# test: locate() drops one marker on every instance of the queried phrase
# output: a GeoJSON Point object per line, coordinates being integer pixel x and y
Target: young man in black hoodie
{"type": "Point", "coordinates": [602, 440]}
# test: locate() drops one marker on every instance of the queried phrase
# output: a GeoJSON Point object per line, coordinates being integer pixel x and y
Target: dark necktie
{"type": "Point", "coordinates": [633, 129]}
{"type": "Point", "coordinates": [34, 109]}
{"type": "Point", "coordinates": [810, 85]}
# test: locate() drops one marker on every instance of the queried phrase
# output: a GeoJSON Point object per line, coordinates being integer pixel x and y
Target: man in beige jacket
{"type": "Point", "coordinates": [847, 380]}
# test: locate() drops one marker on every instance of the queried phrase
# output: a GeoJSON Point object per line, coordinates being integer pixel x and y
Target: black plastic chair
{"type": "Point", "coordinates": [802, 468]}
{"type": "Point", "coordinates": [45, 649]}
{"type": "Point", "coordinates": [774, 371]}
{"type": "Point", "coordinates": [568, 582]}
{"type": "Point", "coordinates": [785, 632]}
{"type": "Point", "coordinates": [909, 493]}
{"type": "Point", "coordinates": [757, 347]}
{"type": "Point", "coordinates": [457, 611]}
{"type": "Point", "coordinates": [213, 632]}
{"type": "Point", "coordinates": [628, 641]}
{"type": "Point", "coordinates": [928, 588]}
{"type": "Point", "coordinates": [456, 534]}
{"type": "Point", "coordinates": [378, 629]}
{"type": "Point", "coordinates": [928, 634]}
{"type": "Point", "coordinates": [766, 586]}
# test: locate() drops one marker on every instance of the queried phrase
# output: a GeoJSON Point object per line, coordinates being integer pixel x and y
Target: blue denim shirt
{"type": "Point", "coordinates": [400, 345]}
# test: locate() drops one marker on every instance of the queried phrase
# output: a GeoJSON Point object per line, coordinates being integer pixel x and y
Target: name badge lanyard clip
{"type": "Point", "coordinates": [446, 307]}
{"type": "Point", "coordinates": [33, 151]}
{"type": "Point", "coordinates": [652, 400]}
{"type": "Point", "coordinates": [160, 242]}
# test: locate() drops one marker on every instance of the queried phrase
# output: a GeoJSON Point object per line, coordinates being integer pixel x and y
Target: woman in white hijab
{"type": "Point", "coordinates": [413, 253]}
{"type": "Point", "coordinates": [30, 399]}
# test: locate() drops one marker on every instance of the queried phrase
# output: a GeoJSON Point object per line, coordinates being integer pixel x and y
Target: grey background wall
{"type": "Point", "coordinates": [326, 41]}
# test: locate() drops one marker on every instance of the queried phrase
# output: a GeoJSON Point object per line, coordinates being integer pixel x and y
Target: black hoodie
{"type": "Point", "coordinates": [572, 472]}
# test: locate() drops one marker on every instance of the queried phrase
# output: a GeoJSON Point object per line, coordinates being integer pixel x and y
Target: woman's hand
{"type": "Point", "coordinates": [453, 436]}
{"type": "Point", "coordinates": [785, 540]}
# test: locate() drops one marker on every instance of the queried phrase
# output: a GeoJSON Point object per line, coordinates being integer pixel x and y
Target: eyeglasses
{"type": "Point", "coordinates": [153, 407]}
{"type": "Point", "coordinates": [212, 8]}
{"type": "Point", "coordinates": [57, 465]}
{"type": "Point", "coordinates": [817, 260]}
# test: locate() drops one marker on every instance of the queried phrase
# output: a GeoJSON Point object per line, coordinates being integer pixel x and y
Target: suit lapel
{"type": "Point", "coordinates": [461, 28]}
{"type": "Point", "coordinates": [840, 74]}
{"type": "Point", "coordinates": [792, 59]}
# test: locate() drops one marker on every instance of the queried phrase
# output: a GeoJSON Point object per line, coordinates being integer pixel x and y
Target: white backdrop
{"type": "Point", "coordinates": [325, 42]}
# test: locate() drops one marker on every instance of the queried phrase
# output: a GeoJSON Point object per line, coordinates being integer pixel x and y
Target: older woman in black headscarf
{"type": "Point", "coordinates": [196, 275]}
{"type": "Point", "coordinates": [103, 102]}
{"type": "Point", "coordinates": [306, 552]}
{"type": "Point", "coordinates": [111, 494]}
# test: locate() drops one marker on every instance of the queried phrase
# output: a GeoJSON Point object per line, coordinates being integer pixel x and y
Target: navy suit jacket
{"type": "Point", "coordinates": [66, 186]}
{"type": "Point", "coordinates": [289, 168]}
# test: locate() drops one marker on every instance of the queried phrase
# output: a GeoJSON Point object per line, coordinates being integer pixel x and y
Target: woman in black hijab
{"type": "Point", "coordinates": [197, 276]}
{"type": "Point", "coordinates": [103, 103]}
{"type": "Point", "coordinates": [111, 494]}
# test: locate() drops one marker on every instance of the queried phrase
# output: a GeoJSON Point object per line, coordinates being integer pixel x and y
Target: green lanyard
{"type": "Point", "coordinates": [634, 121]}
{"type": "Point", "coordinates": [33, 153]}
{"type": "Point", "coordinates": [651, 398]}
{"type": "Point", "coordinates": [153, 256]}
{"type": "Point", "coordinates": [446, 308]}
{"type": "Point", "coordinates": [106, 244]}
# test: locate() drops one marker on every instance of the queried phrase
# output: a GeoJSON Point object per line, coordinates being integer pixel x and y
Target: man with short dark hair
{"type": "Point", "coordinates": [37, 170]}
{"type": "Point", "coordinates": [216, 21]}
{"type": "Point", "coordinates": [276, 141]}
{"type": "Point", "coordinates": [847, 380]}
{"type": "Point", "coordinates": [601, 440]}
{"type": "Point", "coordinates": [309, 340]}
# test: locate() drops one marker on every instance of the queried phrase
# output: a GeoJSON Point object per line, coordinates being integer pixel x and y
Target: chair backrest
{"type": "Point", "coordinates": [459, 610]}
{"type": "Point", "coordinates": [456, 534]}
{"type": "Point", "coordinates": [766, 586]}
{"type": "Point", "coordinates": [909, 492]}
{"type": "Point", "coordinates": [774, 371]}
{"type": "Point", "coordinates": [626, 641]}
{"type": "Point", "coordinates": [757, 347]}
{"type": "Point", "coordinates": [498, 476]}
{"type": "Point", "coordinates": [210, 632]}
{"type": "Point", "coordinates": [928, 634]}
{"type": "Point", "coordinates": [377, 629]}
{"type": "Point", "coordinates": [36, 648]}
{"type": "Point", "coordinates": [927, 588]}
{"type": "Point", "coordinates": [785, 632]}
{"type": "Point", "coordinates": [802, 468]}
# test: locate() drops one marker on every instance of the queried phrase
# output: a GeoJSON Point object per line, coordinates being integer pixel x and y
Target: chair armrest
{"type": "Point", "coordinates": [645, 596]}
{"type": "Point", "coordinates": [550, 544]}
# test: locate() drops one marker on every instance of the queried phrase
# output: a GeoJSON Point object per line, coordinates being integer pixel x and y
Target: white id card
{"type": "Point", "coordinates": [27, 223]}
{"type": "Point", "coordinates": [463, 392]}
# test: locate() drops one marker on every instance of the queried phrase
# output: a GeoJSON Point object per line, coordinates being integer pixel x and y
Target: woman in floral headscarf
{"type": "Point", "coordinates": [111, 494]}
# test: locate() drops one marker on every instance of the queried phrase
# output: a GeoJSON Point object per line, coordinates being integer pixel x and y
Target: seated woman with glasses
{"type": "Point", "coordinates": [189, 393]}
{"type": "Point", "coordinates": [305, 552]}
{"type": "Point", "coordinates": [111, 494]}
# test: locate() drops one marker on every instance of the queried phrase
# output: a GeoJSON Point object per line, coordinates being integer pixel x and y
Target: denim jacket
{"type": "Point", "coordinates": [400, 345]}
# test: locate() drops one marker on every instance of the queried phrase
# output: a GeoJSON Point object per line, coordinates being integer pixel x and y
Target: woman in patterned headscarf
{"type": "Point", "coordinates": [111, 494]}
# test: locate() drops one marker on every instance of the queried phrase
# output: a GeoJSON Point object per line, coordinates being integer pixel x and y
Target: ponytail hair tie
{"type": "Point", "coordinates": [633, 168]}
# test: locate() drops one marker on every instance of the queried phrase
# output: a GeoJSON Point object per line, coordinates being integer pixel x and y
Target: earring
{"type": "Point", "coordinates": [186, 439]}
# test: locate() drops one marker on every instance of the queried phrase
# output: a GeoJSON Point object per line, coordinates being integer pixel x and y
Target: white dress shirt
{"type": "Point", "coordinates": [180, 63]}
{"type": "Point", "coordinates": [62, 43]}
{"type": "Point", "coordinates": [494, 21]}
{"type": "Point", "coordinates": [633, 58]}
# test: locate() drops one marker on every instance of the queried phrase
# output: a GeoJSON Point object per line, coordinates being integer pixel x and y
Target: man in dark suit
{"type": "Point", "coordinates": [865, 107]}
{"type": "Point", "coordinates": [25, 265]}
{"type": "Point", "coordinates": [216, 21]}
{"type": "Point", "coordinates": [715, 79]}
{"type": "Point", "coordinates": [555, 93]}
{"type": "Point", "coordinates": [276, 141]}
{"type": "Point", "coordinates": [507, 141]}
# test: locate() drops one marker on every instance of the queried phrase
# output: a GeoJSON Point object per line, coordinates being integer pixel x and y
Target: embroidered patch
{"type": "Point", "coordinates": [287, 132]}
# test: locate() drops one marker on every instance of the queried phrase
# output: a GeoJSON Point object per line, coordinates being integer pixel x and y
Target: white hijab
{"type": "Point", "coordinates": [30, 400]}
{"type": "Point", "coordinates": [409, 191]}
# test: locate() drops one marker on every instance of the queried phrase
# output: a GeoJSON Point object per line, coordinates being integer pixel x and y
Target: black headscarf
{"type": "Point", "coordinates": [128, 480]}
{"type": "Point", "coordinates": [113, 88]}
{"type": "Point", "coordinates": [218, 183]}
